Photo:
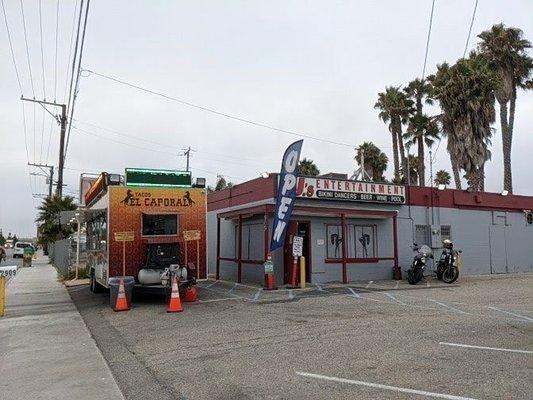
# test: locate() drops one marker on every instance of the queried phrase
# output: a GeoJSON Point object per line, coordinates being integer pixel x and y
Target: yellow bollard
{"type": "Point", "coordinates": [302, 272]}
{"type": "Point", "coordinates": [2, 295]}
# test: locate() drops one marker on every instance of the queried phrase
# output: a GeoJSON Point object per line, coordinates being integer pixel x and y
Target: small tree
{"type": "Point", "coordinates": [222, 183]}
{"type": "Point", "coordinates": [442, 177]}
{"type": "Point", "coordinates": [375, 160]}
{"type": "Point", "coordinates": [307, 167]}
{"type": "Point", "coordinates": [49, 227]}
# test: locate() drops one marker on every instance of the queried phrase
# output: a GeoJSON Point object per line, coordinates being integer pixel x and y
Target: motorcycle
{"type": "Point", "coordinates": [449, 263]}
{"type": "Point", "coordinates": [416, 272]}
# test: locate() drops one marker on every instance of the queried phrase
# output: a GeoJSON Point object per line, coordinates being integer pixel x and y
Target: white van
{"type": "Point", "coordinates": [18, 250]}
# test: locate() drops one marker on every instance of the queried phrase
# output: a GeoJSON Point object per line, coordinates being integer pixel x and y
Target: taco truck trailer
{"type": "Point", "coordinates": [150, 225]}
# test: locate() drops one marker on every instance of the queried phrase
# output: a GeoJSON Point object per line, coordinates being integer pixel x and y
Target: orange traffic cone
{"type": "Point", "coordinates": [121, 303]}
{"type": "Point", "coordinates": [175, 303]}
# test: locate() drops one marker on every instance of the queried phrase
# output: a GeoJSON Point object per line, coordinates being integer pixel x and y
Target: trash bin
{"type": "Point", "coordinates": [114, 284]}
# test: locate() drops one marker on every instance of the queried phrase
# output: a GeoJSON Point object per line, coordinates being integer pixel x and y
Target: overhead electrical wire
{"type": "Point", "coordinates": [55, 57]}
{"type": "Point", "coordinates": [213, 111]}
{"type": "Point", "coordinates": [42, 47]}
{"type": "Point", "coordinates": [470, 29]}
{"type": "Point", "coordinates": [428, 38]}
{"type": "Point", "coordinates": [76, 86]}
{"type": "Point", "coordinates": [74, 58]}
{"type": "Point", "coordinates": [70, 50]}
{"type": "Point", "coordinates": [27, 47]}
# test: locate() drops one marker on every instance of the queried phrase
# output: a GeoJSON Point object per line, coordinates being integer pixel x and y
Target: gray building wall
{"type": "Point", "coordinates": [492, 242]}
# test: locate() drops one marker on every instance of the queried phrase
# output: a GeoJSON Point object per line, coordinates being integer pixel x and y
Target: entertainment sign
{"type": "Point", "coordinates": [336, 189]}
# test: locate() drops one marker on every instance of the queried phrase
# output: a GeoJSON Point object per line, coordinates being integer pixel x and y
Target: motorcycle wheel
{"type": "Point", "coordinates": [450, 274]}
{"type": "Point", "coordinates": [413, 277]}
{"type": "Point", "coordinates": [439, 274]}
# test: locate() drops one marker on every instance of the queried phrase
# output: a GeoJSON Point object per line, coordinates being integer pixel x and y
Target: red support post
{"type": "Point", "coordinates": [265, 227]}
{"type": "Point", "coordinates": [217, 276]}
{"type": "Point", "coordinates": [239, 256]}
{"type": "Point", "coordinates": [343, 248]}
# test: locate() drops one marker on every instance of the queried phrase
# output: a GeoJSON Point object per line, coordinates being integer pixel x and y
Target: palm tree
{"type": "Point", "coordinates": [465, 92]}
{"type": "Point", "coordinates": [307, 167]}
{"type": "Point", "coordinates": [50, 228]}
{"type": "Point", "coordinates": [505, 50]}
{"type": "Point", "coordinates": [412, 174]}
{"type": "Point", "coordinates": [421, 128]}
{"type": "Point", "coordinates": [375, 160]}
{"type": "Point", "coordinates": [442, 177]}
{"type": "Point", "coordinates": [395, 108]}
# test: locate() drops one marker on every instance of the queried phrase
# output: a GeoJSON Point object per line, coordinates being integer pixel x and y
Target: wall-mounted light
{"type": "Point", "coordinates": [505, 193]}
{"type": "Point", "coordinates": [265, 175]}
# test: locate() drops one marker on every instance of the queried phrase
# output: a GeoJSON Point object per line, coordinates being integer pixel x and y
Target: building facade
{"type": "Point", "coordinates": [361, 230]}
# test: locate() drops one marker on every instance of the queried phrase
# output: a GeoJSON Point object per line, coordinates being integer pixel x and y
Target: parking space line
{"type": "Point", "coordinates": [369, 283]}
{"type": "Point", "coordinates": [233, 288]}
{"type": "Point", "coordinates": [449, 307]}
{"type": "Point", "coordinates": [233, 294]}
{"type": "Point", "coordinates": [211, 284]}
{"type": "Point", "coordinates": [256, 297]}
{"type": "Point", "coordinates": [291, 294]}
{"type": "Point", "coordinates": [383, 387]}
{"type": "Point", "coordinates": [319, 287]}
{"type": "Point", "coordinates": [513, 314]}
{"type": "Point", "coordinates": [468, 346]}
{"type": "Point", "coordinates": [397, 284]}
{"type": "Point", "coordinates": [216, 300]}
{"type": "Point", "coordinates": [354, 293]}
{"type": "Point", "coordinates": [390, 296]}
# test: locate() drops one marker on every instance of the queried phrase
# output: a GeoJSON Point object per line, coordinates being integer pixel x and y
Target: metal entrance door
{"type": "Point", "coordinates": [498, 249]}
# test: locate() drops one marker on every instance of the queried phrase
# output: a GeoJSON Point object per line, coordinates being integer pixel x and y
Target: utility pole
{"type": "Point", "coordinates": [62, 120]}
{"type": "Point", "coordinates": [49, 176]}
{"type": "Point", "coordinates": [187, 154]}
{"type": "Point", "coordinates": [361, 173]}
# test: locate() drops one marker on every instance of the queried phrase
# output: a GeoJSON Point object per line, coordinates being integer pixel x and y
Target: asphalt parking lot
{"type": "Point", "coordinates": [366, 340]}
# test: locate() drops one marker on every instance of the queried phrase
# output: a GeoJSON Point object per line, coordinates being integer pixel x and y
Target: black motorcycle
{"type": "Point", "coordinates": [416, 272]}
{"type": "Point", "coordinates": [449, 263]}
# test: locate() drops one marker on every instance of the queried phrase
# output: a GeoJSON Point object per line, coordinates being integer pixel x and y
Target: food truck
{"type": "Point", "coordinates": [148, 224]}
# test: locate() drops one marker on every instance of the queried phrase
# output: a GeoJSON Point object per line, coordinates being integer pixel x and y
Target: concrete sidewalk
{"type": "Point", "coordinates": [46, 351]}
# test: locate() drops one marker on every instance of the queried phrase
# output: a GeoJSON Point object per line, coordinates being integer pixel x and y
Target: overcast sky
{"type": "Point", "coordinates": [313, 67]}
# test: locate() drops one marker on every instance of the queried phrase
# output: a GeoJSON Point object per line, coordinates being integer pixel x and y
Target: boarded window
{"type": "Point", "coordinates": [422, 235]}
{"type": "Point", "coordinates": [360, 241]}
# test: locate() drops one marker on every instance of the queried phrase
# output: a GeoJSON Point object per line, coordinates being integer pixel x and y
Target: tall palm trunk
{"type": "Point", "coordinates": [395, 151]}
{"type": "Point", "coordinates": [421, 166]}
{"type": "Point", "coordinates": [455, 170]}
{"type": "Point", "coordinates": [401, 147]}
{"type": "Point", "coordinates": [481, 173]}
{"type": "Point", "coordinates": [506, 144]}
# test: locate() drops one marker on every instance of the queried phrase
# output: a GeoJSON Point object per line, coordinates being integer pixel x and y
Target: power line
{"type": "Point", "coordinates": [42, 47]}
{"type": "Point", "coordinates": [11, 46]}
{"type": "Point", "coordinates": [27, 47]}
{"type": "Point", "coordinates": [70, 50]}
{"type": "Point", "coordinates": [74, 58]}
{"type": "Point", "coordinates": [470, 29]}
{"type": "Point", "coordinates": [427, 41]}
{"type": "Point", "coordinates": [55, 58]}
{"type": "Point", "coordinates": [213, 111]}
{"type": "Point", "coordinates": [76, 87]}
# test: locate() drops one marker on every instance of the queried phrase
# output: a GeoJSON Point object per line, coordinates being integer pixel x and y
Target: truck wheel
{"type": "Point", "coordinates": [94, 286]}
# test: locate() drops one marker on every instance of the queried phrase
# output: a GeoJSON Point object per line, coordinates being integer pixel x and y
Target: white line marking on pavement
{"type": "Point", "coordinates": [485, 348]}
{"type": "Point", "coordinates": [233, 288]}
{"type": "Point", "coordinates": [369, 283]}
{"type": "Point", "coordinates": [319, 287]}
{"type": "Point", "coordinates": [384, 387]}
{"type": "Point", "coordinates": [390, 296]}
{"type": "Point", "coordinates": [215, 300]}
{"type": "Point", "coordinates": [211, 284]}
{"type": "Point", "coordinates": [449, 307]}
{"type": "Point", "coordinates": [291, 294]}
{"type": "Point", "coordinates": [513, 314]}
{"type": "Point", "coordinates": [427, 284]}
{"type": "Point", "coordinates": [256, 297]}
{"type": "Point", "coordinates": [354, 293]}
{"type": "Point", "coordinates": [397, 284]}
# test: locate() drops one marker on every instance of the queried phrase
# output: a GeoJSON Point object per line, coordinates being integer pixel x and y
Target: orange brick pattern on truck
{"type": "Point", "coordinates": [126, 206]}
